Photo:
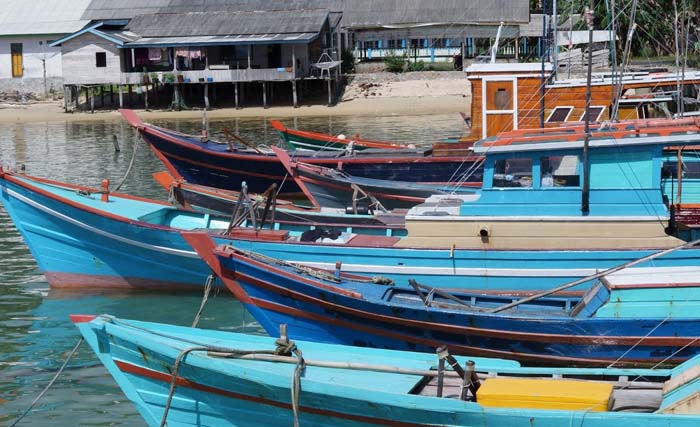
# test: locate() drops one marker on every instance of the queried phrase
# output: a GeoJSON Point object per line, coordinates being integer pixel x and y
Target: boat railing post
{"type": "Point", "coordinates": [442, 355]}
{"type": "Point", "coordinates": [105, 190]}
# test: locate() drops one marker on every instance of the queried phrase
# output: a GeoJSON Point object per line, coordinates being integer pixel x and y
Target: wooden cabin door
{"type": "Point", "coordinates": [499, 105]}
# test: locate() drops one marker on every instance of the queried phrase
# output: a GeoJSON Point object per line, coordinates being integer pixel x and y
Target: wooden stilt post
{"type": "Point", "coordinates": [92, 99]}
{"type": "Point", "coordinates": [176, 97]}
{"type": "Point", "coordinates": [131, 99]}
{"type": "Point", "coordinates": [264, 91]}
{"type": "Point", "coordinates": [76, 90]}
{"type": "Point", "coordinates": [121, 96]}
{"type": "Point", "coordinates": [145, 95]}
{"type": "Point", "coordinates": [294, 93]}
{"type": "Point", "coordinates": [235, 94]}
{"type": "Point", "coordinates": [65, 99]}
{"type": "Point", "coordinates": [329, 92]}
{"type": "Point", "coordinates": [155, 93]}
{"type": "Point", "coordinates": [206, 96]}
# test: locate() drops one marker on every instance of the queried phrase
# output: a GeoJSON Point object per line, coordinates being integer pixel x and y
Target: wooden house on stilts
{"type": "Point", "coordinates": [250, 57]}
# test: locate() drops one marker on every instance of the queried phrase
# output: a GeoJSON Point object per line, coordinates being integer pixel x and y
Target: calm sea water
{"type": "Point", "coordinates": [35, 333]}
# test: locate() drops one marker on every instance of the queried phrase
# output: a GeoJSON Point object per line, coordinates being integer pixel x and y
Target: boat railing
{"type": "Point", "coordinates": [618, 130]}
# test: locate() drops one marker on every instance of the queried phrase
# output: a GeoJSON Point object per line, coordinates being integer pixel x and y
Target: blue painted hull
{"type": "Point", "coordinates": [214, 391]}
{"type": "Point", "coordinates": [377, 316]}
{"type": "Point", "coordinates": [212, 165]}
{"type": "Point", "coordinates": [79, 241]}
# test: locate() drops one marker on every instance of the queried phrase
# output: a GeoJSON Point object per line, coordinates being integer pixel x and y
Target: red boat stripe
{"type": "Point", "coordinates": [474, 351]}
{"type": "Point", "coordinates": [183, 382]}
{"type": "Point", "coordinates": [102, 213]}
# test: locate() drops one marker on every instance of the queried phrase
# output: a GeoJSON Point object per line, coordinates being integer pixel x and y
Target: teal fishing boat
{"type": "Point", "coordinates": [191, 377]}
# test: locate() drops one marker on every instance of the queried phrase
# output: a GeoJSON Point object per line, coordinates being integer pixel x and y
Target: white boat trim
{"type": "Point", "coordinates": [46, 209]}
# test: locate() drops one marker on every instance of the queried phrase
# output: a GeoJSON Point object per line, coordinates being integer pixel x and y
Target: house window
{"type": "Point", "coordinates": [17, 62]}
{"type": "Point", "coordinates": [560, 114]}
{"type": "Point", "coordinates": [100, 59]}
{"type": "Point", "coordinates": [559, 171]}
{"type": "Point", "coordinates": [512, 173]}
{"type": "Point", "coordinates": [595, 113]}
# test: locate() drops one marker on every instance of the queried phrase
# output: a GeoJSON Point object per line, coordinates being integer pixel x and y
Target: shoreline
{"type": "Point", "coordinates": [371, 106]}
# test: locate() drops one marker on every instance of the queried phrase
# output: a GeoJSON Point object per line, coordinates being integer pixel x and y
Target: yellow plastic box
{"type": "Point", "coordinates": [504, 392]}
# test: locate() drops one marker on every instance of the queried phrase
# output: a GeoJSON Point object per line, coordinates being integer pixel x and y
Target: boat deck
{"type": "Point", "coordinates": [626, 396]}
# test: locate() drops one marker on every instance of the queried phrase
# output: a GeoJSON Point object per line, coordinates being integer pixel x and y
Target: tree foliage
{"type": "Point", "coordinates": [655, 31]}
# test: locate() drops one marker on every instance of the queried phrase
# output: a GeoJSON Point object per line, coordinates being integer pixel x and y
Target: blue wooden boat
{"type": "Point", "coordinates": [226, 379]}
{"type": "Point", "coordinates": [503, 240]}
{"type": "Point", "coordinates": [333, 188]}
{"type": "Point", "coordinates": [226, 166]}
{"type": "Point", "coordinates": [93, 238]}
{"type": "Point", "coordinates": [622, 319]}
{"type": "Point", "coordinates": [223, 202]}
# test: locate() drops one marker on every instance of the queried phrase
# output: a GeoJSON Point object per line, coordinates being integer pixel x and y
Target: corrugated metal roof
{"type": "Point", "coordinates": [228, 23]}
{"type": "Point", "coordinates": [25, 17]}
{"type": "Point", "coordinates": [223, 40]}
{"type": "Point", "coordinates": [356, 13]}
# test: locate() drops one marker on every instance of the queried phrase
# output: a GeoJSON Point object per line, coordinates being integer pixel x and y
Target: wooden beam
{"type": "Point", "coordinates": [294, 94]}
{"type": "Point", "coordinates": [330, 100]}
{"type": "Point", "coordinates": [235, 94]}
{"type": "Point", "coordinates": [264, 93]}
{"type": "Point", "coordinates": [206, 96]}
{"type": "Point", "coordinates": [121, 96]}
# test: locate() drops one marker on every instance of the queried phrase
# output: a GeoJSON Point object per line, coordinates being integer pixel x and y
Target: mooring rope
{"type": "Point", "coordinates": [131, 163]}
{"type": "Point", "coordinates": [205, 298]}
{"type": "Point", "coordinates": [50, 384]}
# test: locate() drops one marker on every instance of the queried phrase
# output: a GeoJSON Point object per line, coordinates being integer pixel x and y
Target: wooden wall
{"type": "Point", "coordinates": [79, 66]}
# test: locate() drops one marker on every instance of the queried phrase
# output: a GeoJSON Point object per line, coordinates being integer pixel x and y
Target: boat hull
{"type": "Point", "coordinates": [212, 165]}
{"type": "Point", "coordinates": [79, 240]}
{"type": "Point", "coordinates": [376, 316]}
{"type": "Point", "coordinates": [215, 391]}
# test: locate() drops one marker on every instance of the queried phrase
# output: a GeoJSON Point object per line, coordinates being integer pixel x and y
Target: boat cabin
{"type": "Point", "coordinates": [508, 97]}
{"type": "Point", "coordinates": [533, 191]}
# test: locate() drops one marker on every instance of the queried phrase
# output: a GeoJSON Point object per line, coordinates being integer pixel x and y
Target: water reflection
{"type": "Point", "coordinates": [35, 334]}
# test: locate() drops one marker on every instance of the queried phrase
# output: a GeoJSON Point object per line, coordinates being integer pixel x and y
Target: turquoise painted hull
{"type": "Point", "coordinates": [222, 392]}
{"type": "Point", "coordinates": [79, 241]}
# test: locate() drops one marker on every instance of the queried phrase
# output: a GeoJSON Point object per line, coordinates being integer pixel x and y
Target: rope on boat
{"type": "Point", "coordinates": [284, 348]}
{"type": "Point", "coordinates": [207, 291]}
{"type": "Point", "coordinates": [640, 341]}
{"type": "Point", "coordinates": [313, 272]}
{"type": "Point", "coordinates": [50, 384]}
{"type": "Point", "coordinates": [173, 381]}
{"type": "Point", "coordinates": [131, 163]}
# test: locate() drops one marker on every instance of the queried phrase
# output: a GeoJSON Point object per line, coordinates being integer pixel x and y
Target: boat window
{"type": "Point", "coordinates": [502, 99]}
{"type": "Point", "coordinates": [560, 114]}
{"type": "Point", "coordinates": [594, 116]}
{"type": "Point", "coordinates": [690, 169]}
{"type": "Point", "coordinates": [559, 171]}
{"type": "Point", "coordinates": [512, 173]}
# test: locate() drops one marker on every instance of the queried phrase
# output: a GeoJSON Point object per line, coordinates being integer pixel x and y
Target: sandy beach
{"type": "Point", "coordinates": [406, 97]}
